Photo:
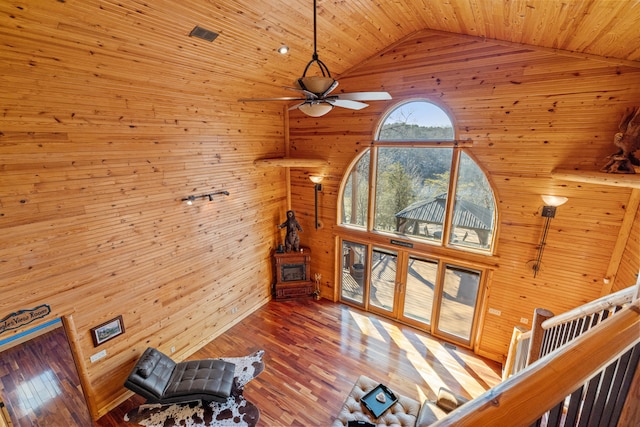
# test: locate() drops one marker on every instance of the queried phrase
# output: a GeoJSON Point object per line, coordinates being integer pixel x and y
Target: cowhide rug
{"type": "Point", "coordinates": [236, 411]}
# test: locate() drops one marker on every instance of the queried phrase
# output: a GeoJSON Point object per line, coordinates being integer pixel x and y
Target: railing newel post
{"type": "Point", "coordinates": [537, 334]}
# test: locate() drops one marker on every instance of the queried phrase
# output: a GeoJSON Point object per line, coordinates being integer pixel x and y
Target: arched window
{"type": "Point", "coordinates": [418, 168]}
{"type": "Point", "coordinates": [414, 206]}
{"type": "Point", "coordinates": [416, 121]}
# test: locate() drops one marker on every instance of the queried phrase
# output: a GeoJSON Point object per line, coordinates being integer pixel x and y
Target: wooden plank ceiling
{"type": "Point", "coordinates": [349, 32]}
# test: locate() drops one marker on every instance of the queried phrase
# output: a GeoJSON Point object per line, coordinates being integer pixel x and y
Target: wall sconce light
{"type": "Point", "coordinates": [548, 212]}
{"type": "Point", "coordinates": [317, 181]}
{"type": "Point", "coordinates": [191, 199]}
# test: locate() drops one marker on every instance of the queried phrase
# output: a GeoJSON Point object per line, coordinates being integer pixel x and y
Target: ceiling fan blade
{"type": "Point", "coordinates": [345, 103]}
{"type": "Point", "coordinates": [308, 94]}
{"type": "Point", "coordinates": [293, 107]}
{"type": "Point", "coordinates": [329, 89]}
{"type": "Point", "coordinates": [316, 88]}
{"type": "Point", "coordinates": [365, 96]}
{"type": "Point", "coordinates": [286, 98]}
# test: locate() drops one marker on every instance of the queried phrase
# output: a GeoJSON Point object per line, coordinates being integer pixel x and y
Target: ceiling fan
{"type": "Point", "coordinates": [315, 91]}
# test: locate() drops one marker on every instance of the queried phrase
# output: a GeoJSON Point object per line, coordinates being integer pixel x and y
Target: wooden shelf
{"type": "Point", "coordinates": [595, 177]}
{"type": "Point", "coordinates": [291, 162]}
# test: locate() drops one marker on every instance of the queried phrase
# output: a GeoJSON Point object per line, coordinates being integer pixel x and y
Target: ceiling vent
{"type": "Point", "coordinates": [203, 33]}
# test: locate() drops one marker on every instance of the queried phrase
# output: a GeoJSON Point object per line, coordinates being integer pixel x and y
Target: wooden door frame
{"type": "Point", "coordinates": [65, 321]}
{"type": "Point", "coordinates": [76, 351]}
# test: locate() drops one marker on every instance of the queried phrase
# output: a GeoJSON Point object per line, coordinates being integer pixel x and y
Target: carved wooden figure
{"type": "Point", "coordinates": [292, 240]}
{"type": "Point", "coordinates": [628, 140]}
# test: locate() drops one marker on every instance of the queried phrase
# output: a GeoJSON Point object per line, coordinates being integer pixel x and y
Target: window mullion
{"type": "Point", "coordinates": [373, 179]}
{"type": "Point", "coordinates": [429, 143]}
{"type": "Point", "coordinates": [447, 227]}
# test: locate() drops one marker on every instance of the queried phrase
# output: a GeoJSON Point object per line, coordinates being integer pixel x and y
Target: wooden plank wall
{"type": "Point", "coordinates": [629, 266]}
{"type": "Point", "coordinates": [108, 122]}
{"type": "Point", "coordinates": [528, 111]}
{"type": "Point", "coordinates": [98, 145]}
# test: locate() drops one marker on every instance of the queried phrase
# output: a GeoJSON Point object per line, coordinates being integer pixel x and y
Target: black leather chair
{"type": "Point", "coordinates": [159, 379]}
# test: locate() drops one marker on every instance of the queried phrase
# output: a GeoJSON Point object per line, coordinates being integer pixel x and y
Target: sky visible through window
{"type": "Point", "coordinates": [419, 113]}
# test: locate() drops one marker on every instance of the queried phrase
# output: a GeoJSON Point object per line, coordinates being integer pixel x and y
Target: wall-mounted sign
{"type": "Point", "coordinates": [401, 243]}
{"type": "Point", "coordinates": [23, 317]}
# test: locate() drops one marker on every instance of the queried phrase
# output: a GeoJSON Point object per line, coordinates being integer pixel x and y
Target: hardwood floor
{"type": "Point", "coordinates": [39, 383]}
{"type": "Point", "coordinates": [314, 352]}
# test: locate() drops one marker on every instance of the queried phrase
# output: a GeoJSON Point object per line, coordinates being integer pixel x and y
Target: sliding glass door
{"type": "Point", "coordinates": [436, 296]}
{"type": "Point", "coordinates": [383, 281]}
{"type": "Point", "coordinates": [457, 305]}
{"type": "Point", "coordinates": [354, 262]}
{"type": "Point", "coordinates": [421, 279]}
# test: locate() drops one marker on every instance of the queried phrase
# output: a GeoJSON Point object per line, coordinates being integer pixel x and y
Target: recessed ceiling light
{"type": "Point", "coordinates": [283, 49]}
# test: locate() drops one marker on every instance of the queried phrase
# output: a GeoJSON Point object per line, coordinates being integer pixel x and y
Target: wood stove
{"type": "Point", "coordinates": [293, 274]}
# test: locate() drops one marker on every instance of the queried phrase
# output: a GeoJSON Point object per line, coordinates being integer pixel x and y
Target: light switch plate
{"type": "Point", "coordinates": [99, 355]}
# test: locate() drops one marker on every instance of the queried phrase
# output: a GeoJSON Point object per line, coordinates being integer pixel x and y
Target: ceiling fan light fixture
{"type": "Point", "coordinates": [314, 90]}
{"type": "Point", "coordinates": [316, 84]}
{"type": "Point", "coordinates": [315, 109]}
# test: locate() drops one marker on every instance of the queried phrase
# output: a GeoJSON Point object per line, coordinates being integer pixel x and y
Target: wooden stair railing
{"type": "Point", "coordinates": [559, 330]}
{"type": "Point", "coordinates": [604, 358]}
{"type": "Point", "coordinates": [518, 351]}
{"type": "Point", "coordinates": [550, 332]}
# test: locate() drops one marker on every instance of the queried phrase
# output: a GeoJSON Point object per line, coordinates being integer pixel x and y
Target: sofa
{"type": "Point", "coordinates": [159, 379]}
{"type": "Point", "coordinates": [406, 412]}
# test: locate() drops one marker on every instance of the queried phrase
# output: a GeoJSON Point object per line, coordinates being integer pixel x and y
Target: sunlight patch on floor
{"type": "Point", "coordinates": [422, 397]}
{"type": "Point", "coordinates": [366, 326]}
{"type": "Point", "coordinates": [472, 386]}
{"type": "Point", "coordinates": [442, 373]}
{"type": "Point", "coordinates": [416, 358]}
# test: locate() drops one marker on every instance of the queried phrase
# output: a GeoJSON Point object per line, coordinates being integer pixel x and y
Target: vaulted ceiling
{"type": "Point", "coordinates": [349, 32]}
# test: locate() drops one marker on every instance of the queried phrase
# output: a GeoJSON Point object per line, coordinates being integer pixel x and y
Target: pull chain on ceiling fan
{"type": "Point", "coordinates": [316, 89]}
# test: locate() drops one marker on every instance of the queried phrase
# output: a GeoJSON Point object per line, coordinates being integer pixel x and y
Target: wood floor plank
{"type": "Point", "coordinates": [315, 350]}
{"type": "Point", "coordinates": [39, 383]}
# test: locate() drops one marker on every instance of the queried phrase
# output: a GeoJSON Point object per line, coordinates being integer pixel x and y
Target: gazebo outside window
{"type": "Point", "coordinates": [426, 217]}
